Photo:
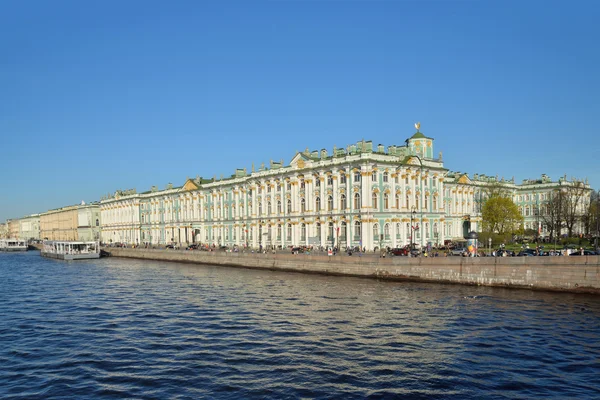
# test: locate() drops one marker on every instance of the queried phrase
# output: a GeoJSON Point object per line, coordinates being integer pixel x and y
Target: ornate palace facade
{"type": "Point", "coordinates": [358, 196]}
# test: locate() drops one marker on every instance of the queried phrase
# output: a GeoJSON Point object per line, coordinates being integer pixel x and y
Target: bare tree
{"type": "Point", "coordinates": [496, 189]}
{"type": "Point", "coordinates": [553, 213]}
{"type": "Point", "coordinates": [591, 216]}
{"type": "Point", "coordinates": [574, 204]}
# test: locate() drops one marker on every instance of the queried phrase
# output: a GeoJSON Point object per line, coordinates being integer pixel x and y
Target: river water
{"type": "Point", "coordinates": [118, 328]}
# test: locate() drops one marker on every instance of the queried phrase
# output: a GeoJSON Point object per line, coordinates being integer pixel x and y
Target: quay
{"type": "Point", "coordinates": [575, 274]}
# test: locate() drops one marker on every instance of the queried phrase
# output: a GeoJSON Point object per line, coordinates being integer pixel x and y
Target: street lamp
{"type": "Point", "coordinates": [421, 188]}
{"type": "Point", "coordinates": [490, 244]}
{"type": "Point", "coordinates": [412, 228]}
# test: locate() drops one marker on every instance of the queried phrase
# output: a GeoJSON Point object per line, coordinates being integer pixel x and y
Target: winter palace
{"type": "Point", "coordinates": [362, 195]}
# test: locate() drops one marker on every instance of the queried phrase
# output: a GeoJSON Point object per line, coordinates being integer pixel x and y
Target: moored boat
{"type": "Point", "coordinates": [13, 245]}
{"type": "Point", "coordinates": [67, 250]}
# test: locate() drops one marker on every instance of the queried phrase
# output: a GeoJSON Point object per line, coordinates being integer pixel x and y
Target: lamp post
{"type": "Point", "coordinates": [412, 228]}
{"type": "Point", "coordinates": [420, 186]}
{"type": "Point", "coordinates": [490, 244]}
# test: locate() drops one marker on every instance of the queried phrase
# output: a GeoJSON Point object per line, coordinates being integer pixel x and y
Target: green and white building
{"type": "Point", "coordinates": [363, 195]}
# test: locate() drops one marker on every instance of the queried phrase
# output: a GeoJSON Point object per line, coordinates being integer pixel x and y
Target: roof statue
{"type": "Point", "coordinates": [418, 126]}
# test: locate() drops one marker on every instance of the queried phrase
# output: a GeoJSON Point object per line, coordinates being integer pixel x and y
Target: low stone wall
{"type": "Point", "coordinates": [573, 274]}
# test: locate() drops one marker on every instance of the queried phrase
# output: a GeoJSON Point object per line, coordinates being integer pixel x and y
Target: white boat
{"type": "Point", "coordinates": [13, 245]}
{"type": "Point", "coordinates": [66, 250]}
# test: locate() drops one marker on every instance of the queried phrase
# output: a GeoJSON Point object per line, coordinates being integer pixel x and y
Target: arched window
{"type": "Point", "coordinates": [356, 176]}
{"type": "Point", "coordinates": [398, 230]}
{"type": "Point", "coordinates": [397, 201]}
{"type": "Point", "coordinates": [319, 230]}
{"type": "Point", "coordinates": [269, 208]}
{"type": "Point", "coordinates": [343, 202]}
{"type": "Point", "coordinates": [386, 201]}
{"type": "Point", "coordinates": [375, 204]}
{"type": "Point", "coordinates": [417, 201]}
{"type": "Point", "coordinates": [97, 222]}
{"type": "Point", "coordinates": [356, 201]}
{"type": "Point", "coordinates": [278, 231]}
{"type": "Point", "coordinates": [357, 230]}
{"type": "Point", "coordinates": [374, 176]}
{"type": "Point", "coordinates": [408, 230]}
{"type": "Point", "coordinates": [289, 232]}
{"type": "Point", "coordinates": [289, 206]}
{"type": "Point", "coordinates": [386, 231]}
{"type": "Point", "coordinates": [434, 203]}
{"type": "Point", "coordinates": [426, 205]}
{"type": "Point", "coordinates": [343, 231]}
{"type": "Point", "coordinates": [329, 203]}
{"type": "Point", "coordinates": [278, 206]}
{"type": "Point", "coordinates": [259, 211]}
{"type": "Point", "coordinates": [427, 230]}
{"type": "Point", "coordinates": [318, 204]}
{"type": "Point", "coordinates": [407, 201]}
{"type": "Point", "coordinates": [330, 232]}
{"type": "Point", "coordinates": [343, 178]}
{"type": "Point", "coordinates": [329, 180]}
{"type": "Point", "coordinates": [303, 232]}
{"type": "Point", "coordinates": [385, 176]}
{"type": "Point", "coordinates": [375, 232]}
{"type": "Point", "coordinates": [302, 205]}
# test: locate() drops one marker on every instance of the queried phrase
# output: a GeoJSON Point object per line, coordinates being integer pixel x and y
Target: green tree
{"type": "Point", "coordinates": [501, 215]}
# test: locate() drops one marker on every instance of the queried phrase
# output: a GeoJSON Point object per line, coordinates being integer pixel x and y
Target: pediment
{"type": "Point", "coordinates": [464, 179]}
{"type": "Point", "coordinates": [299, 161]}
{"type": "Point", "coordinates": [190, 185]}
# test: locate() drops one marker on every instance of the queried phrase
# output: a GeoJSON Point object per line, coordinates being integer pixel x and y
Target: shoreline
{"type": "Point", "coordinates": [574, 274]}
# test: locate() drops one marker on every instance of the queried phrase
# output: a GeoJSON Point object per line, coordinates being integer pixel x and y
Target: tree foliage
{"type": "Point", "coordinates": [501, 215]}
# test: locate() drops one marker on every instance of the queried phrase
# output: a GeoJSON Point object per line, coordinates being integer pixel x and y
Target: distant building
{"type": "Point", "coordinates": [3, 230]}
{"type": "Point", "coordinates": [29, 227]}
{"type": "Point", "coordinates": [78, 223]}
{"type": "Point", "coordinates": [359, 196]}
{"type": "Point", "coordinates": [13, 228]}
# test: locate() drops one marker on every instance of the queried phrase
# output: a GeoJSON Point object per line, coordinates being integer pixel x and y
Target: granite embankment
{"type": "Point", "coordinates": [580, 274]}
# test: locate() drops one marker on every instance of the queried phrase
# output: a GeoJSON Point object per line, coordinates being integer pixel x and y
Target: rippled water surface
{"type": "Point", "coordinates": [118, 328]}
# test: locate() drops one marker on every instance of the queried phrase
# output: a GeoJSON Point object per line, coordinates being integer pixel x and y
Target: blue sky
{"type": "Point", "coordinates": [107, 95]}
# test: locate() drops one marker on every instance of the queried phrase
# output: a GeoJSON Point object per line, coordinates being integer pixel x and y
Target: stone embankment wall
{"type": "Point", "coordinates": [573, 274]}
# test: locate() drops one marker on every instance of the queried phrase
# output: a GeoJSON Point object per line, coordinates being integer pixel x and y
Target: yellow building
{"type": "Point", "coordinates": [79, 223]}
{"type": "Point", "coordinates": [13, 228]}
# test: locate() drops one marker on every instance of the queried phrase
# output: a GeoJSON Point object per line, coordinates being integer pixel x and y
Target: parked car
{"type": "Point", "coordinates": [585, 253]}
{"type": "Point", "coordinates": [169, 246]}
{"type": "Point", "coordinates": [399, 252]}
{"type": "Point", "coordinates": [192, 246]}
{"type": "Point", "coordinates": [458, 251]}
{"type": "Point", "coordinates": [527, 253]}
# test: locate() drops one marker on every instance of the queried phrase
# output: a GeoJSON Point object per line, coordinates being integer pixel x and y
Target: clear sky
{"type": "Point", "coordinates": [97, 96]}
